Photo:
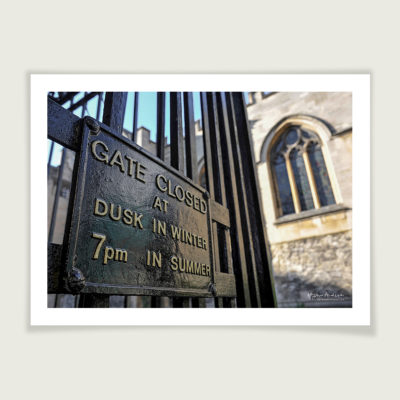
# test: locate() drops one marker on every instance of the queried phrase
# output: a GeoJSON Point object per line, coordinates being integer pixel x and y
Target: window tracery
{"type": "Point", "coordinates": [300, 174]}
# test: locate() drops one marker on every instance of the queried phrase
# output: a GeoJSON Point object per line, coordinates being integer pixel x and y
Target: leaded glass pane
{"type": "Point", "coordinates": [291, 137]}
{"type": "Point", "coordinates": [305, 134]}
{"type": "Point", "coordinates": [308, 134]}
{"type": "Point", "coordinates": [278, 146]}
{"type": "Point", "coordinates": [282, 180]}
{"type": "Point", "coordinates": [300, 175]}
{"type": "Point", "coordinates": [321, 176]}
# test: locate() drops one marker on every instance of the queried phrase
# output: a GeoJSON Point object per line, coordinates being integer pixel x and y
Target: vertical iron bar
{"type": "Point", "coordinates": [207, 146]}
{"type": "Point", "coordinates": [252, 193]}
{"type": "Point", "coordinates": [220, 238]}
{"type": "Point", "coordinates": [214, 171]}
{"type": "Point", "coordinates": [161, 125]}
{"type": "Point", "coordinates": [72, 190]}
{"type": "Point", "coordinates": [190, 138]}
{"type": "Point", "coordinates": [94, 301]}
{"type": "Point", "coordinates": [219, 184]}
{"type": "Point", "coordinates": [190, 146]}
{"type": "Point", "coordinates": [195, 302]}
{"type": "Point", "coordinates": [177, 158]}
{"type": "Point", "coordinates": [114, 110]}
{"type": "Point", "coordinates": [198, 302]}
{"type": "Point", "coordinates": [216, 156]}
{"type": "Point", "coordinates": [181, 302]}
{"type": "Point", "coordinates": [113, 116]}
{"type": "Point", "coordinates": [232, 193]}
{"type": "Point", "coordinates": [155, 302]}
{"type": "Point", "coordinates": [135, 116]}
{"type": "Point", "coordinates": [50, 157]}
{"type": "Point", "coordinates": [57, 196]}
{"type": "Point", "coordinates": [248, 239]}
{"type": "Point", "coordinates": [99, 106]}
{"type": "Point", "coordinates": [84, 105]}
{"type": "Point", "coordinates": [134, 139]}
{"type": "Point", "coordinates": [209, 170]}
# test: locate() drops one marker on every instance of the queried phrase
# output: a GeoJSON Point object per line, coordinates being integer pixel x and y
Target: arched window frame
{"type": "Point", "coordinates": [324, 134]}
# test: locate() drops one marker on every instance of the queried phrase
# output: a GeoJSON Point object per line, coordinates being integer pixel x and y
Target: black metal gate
{"type": "Point", "coordinates": [241, 258]}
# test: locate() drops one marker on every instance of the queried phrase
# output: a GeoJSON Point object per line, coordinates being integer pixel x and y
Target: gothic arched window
{"type": "Point", "coordinates": [300, 175]}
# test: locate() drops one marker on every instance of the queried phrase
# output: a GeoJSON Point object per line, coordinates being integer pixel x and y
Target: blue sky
{"type": "Point", "coordinates": [147, 115]}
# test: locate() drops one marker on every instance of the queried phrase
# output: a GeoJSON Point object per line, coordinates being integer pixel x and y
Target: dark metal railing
{"type": "Point", "coordinates": [238, 228]}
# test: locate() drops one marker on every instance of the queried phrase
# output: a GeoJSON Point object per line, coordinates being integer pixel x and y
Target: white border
{"type": "Point", "coordinates": [359, 85]}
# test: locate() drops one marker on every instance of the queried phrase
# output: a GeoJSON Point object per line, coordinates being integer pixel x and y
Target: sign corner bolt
{"type": "Point", "coordinates": [93, 125]}
{"type": "Point", "coordinates": [76, 281]}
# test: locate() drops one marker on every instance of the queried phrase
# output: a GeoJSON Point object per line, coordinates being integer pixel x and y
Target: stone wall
{"type": "Point", "coordinates": [333, 108]}
{"type": "Point", "coordinates": [314, 272]}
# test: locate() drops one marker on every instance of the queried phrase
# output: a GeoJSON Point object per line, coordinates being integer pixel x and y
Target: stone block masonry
{"type": "Point", "coordinates": [314, 272]}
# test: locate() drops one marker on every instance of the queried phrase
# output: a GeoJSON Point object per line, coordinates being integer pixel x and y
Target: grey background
{"type": "Point", "coordinates": [203, 362]}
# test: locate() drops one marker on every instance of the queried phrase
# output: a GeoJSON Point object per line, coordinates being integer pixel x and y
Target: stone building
{"type": "Point", "coordinates": [65, 188]}
{"type": "Point", "coordinates": [303, 154]}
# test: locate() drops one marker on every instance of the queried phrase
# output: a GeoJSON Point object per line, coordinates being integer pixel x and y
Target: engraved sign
{"type": "Point", "coordinates": [138, 226]}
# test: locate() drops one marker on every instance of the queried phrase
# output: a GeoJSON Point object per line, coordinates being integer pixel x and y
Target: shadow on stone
{"type": "Point", "coordinates": [294, 291]}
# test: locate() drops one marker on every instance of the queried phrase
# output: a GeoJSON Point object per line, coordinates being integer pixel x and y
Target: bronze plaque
{"type": "Point", "coordinates": [138, 226]}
